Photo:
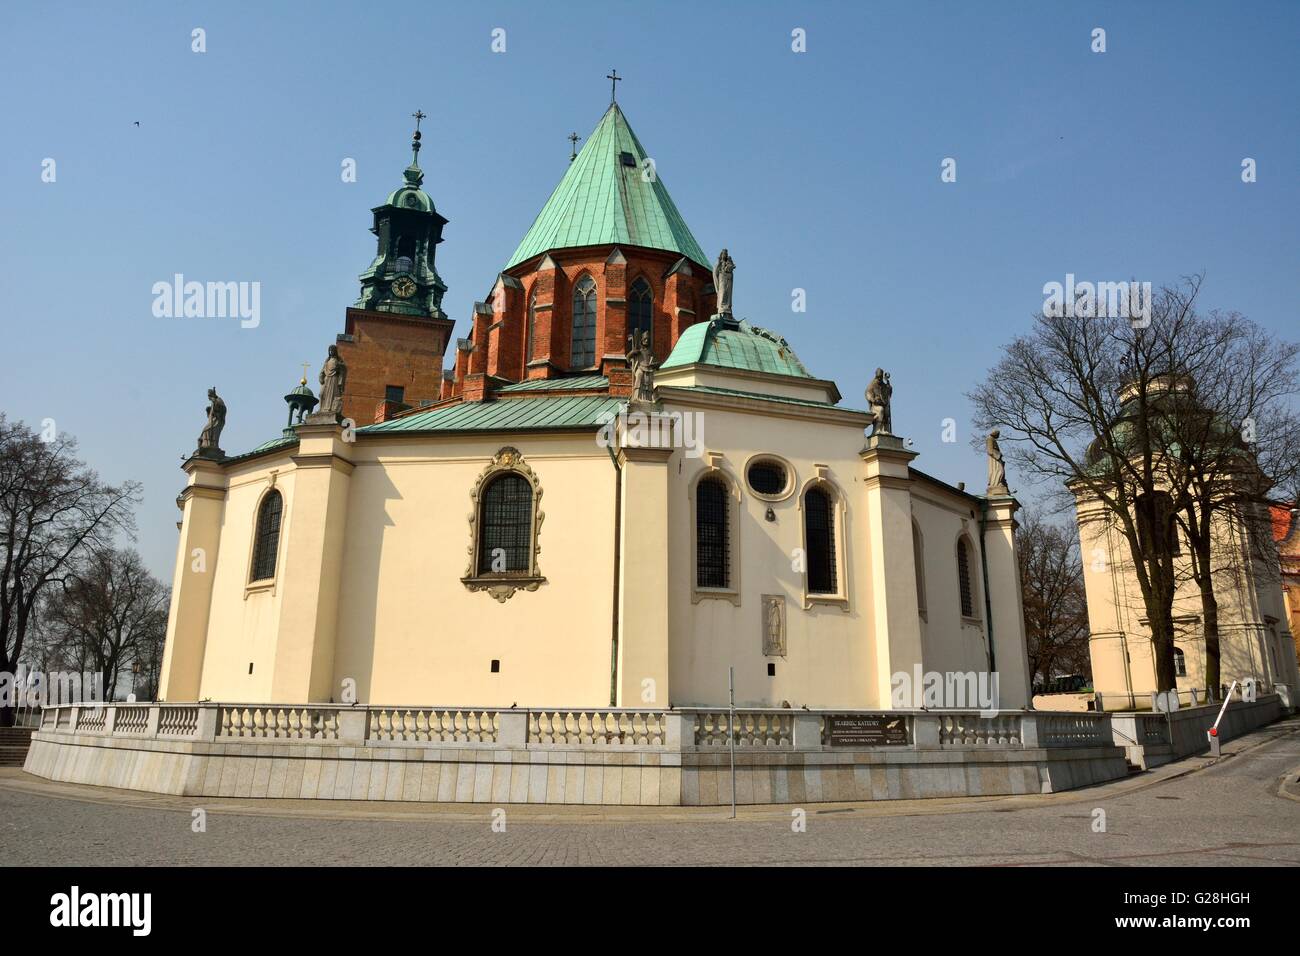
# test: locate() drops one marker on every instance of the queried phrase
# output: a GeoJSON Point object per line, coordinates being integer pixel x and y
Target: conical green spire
{"type": "Point", "coordinates": [610, 195]}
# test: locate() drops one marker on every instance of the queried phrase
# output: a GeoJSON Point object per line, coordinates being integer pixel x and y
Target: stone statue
{"type": "Point", "coordinates": [210, 437]}
{"type": "Point", "coordinates": [333, 379]}
{"type": "Point", "coordinates": [879, 393]}
{"type": "Point", "coordinates": [722, 281]}
{"type": "Point", "coordinates": [641, 359]}
{"type": "Point", "coordinates": [997, 468]}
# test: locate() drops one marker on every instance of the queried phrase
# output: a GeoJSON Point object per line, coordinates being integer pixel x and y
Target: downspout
{"type": "Point", "coordinates": [618, 530]}
{"type": "Point", "coordinates": [984, 568]}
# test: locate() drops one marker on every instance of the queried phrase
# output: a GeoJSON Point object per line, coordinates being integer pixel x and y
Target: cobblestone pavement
{"type": "Point", "coordinates": [1238, 811]}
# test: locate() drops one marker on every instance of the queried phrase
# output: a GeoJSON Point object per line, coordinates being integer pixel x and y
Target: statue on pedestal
{"type": "Point", "coordinates": [997, 467]}
{"type": "Point", "coordinates": [333, 379]}
{"type": "Point", "coordinates": [722, 282]}
{"type": "Point", "coordinates": [210, 437]}
{"type": "Point", "coordinates": [879, 394]}
{"type": "Point", "coordinates": [641, 360]}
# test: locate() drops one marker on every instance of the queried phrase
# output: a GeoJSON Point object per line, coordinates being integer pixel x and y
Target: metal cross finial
{"type": "Point", "coordinates": [573, 149]}
{"type": "Point", "coordinates": [305, 366]}
{"type": "Point", "coordinates": [419, 115]}
{"type": "Point", "coordinates": [613, 78]}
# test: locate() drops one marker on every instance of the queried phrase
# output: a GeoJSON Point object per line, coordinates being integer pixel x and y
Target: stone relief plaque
{"type": "Point", "coordinates": [773, 606]}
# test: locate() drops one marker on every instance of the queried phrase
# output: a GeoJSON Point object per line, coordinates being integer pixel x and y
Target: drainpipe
{"type": "Point", "coordinates": [618, 530]}
{"type": "Point", "coordinates": [984, 568]}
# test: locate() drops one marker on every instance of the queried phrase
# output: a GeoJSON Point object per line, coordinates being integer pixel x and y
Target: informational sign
{"type": "Point", "coordinates": [867, 730]}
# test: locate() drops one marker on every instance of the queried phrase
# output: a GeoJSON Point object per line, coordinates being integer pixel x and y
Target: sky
{"type": "Point", "coordinates": [819, 170]}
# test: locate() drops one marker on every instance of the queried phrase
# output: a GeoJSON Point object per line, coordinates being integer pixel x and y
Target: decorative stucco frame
{"type": "Point", "coordinates": [503, 585]}
{"type": "Point", "coordinates": [716, 468]}
{"type": "Point", "coordinates": [821, 479]}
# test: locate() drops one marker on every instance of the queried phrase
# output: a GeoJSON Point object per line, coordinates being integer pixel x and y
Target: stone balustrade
{"type": "Point", "coordinates": [684, 729]}
{"type": "Point", "coordinates": [672, 757]}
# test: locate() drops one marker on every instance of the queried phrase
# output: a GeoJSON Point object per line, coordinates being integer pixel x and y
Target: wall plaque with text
{"type": "Point", "coordinates": [868, 730]}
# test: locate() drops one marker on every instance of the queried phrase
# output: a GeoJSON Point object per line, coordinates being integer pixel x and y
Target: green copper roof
{"type": "Point", "coordinates": [516, 414]}
{"type": "Point", "coordinates": [576, 383]}
{"type": "Point", "coordinates": [735, 345]}
{"type": "Point", "coordinates": [602, 200]}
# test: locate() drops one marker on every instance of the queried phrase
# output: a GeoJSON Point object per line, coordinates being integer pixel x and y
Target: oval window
{"type": "Point", "coordinates": [767, 477]}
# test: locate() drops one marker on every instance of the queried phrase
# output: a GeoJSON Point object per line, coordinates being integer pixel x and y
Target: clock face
{"type": "Point", "coordinates": [404, 287]}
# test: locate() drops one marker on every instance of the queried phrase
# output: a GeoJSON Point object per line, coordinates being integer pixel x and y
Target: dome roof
{"type": "Point", "coordinates": [730, 344]}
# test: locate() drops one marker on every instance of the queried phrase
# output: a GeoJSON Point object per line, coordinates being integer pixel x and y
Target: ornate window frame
{"type": "Point", "coordinates": [503, 585]}
{"type": "Point", "coordinates": [791, 476]}
{"type": "Point", "coordinates": [821, 480]}
{"type": "Point", "coordinates": [735, 497]}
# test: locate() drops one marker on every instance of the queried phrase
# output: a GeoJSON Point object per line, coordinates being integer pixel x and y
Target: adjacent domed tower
{"type": "Point", "coordinates": [609, 254]}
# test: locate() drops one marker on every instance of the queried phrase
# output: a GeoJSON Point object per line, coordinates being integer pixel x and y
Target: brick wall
{"type": "Point", "coordinates": [381, 349]}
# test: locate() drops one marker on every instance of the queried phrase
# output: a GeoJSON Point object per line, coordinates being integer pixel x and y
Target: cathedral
{"type": "Point", "coordinates": [615, 491]}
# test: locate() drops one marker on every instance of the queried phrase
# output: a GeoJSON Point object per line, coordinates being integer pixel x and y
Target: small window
{"type": "Point", "coordinates": [767, 477]}
{"type": "Point", "coordinates": [583, 351]}
{"type": "Point", "coordinates": [532, 328]}
{"type": "Point", "coordinates": [394, 393]}
{"type": "Point", "coordinates": [627, 159]}
{"type": "Point", "coordinates": [267, 538]}
{"type": "Point", "coordinates": [819, 538]}
{"type": "Point", "coordinates": [506, 536]}
{"type": "Point", "coordinates": [963, 578]}
{"type": "Point", "coordinates": [640, 311]}
{"type": "Point", "coordinates": [1180, 663]}
{"type": "Point", "coordinates": [712, 557]}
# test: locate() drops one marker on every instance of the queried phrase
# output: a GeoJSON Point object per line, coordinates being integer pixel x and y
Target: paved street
{"type": "Point", "coordinates": [1234, 812]}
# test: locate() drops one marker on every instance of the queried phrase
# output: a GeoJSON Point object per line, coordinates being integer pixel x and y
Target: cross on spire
{"type": "Point", "coordinates": [573, 149]}
{"type": "Point", "coordinates": [613, 78]}
{"type": "Point", "coordinates": [415, 139]}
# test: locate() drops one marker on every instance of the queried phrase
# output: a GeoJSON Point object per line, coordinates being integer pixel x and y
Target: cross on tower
{"type": "Point", "coordinates": [613, 78]}
{"type": "Point", "coordinates": [419, 115]}
{"type": "Point", "coordinates": [573, 149]}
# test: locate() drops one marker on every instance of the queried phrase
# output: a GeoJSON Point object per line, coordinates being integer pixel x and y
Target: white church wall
{"type": "Point", "coordinates": [829, 657]}
{"type": "Point", "coordinates": [243, 620]}
{"type": "Point", "coordinates": [410, 632]}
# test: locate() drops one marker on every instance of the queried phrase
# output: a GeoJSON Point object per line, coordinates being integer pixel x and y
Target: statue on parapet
{"type": "Point", "coordinates": [879, 395]}
{"type": "Point", "coordinates": [722, 282]}
{"type": "Point", "coordinates": [333, 380]}
{"type": "Point", "coordinates": [210, 437]}
{"type": "Point", "coordinates": [997, 467]}
{"type": "Point", "coordinates": [641, 359]}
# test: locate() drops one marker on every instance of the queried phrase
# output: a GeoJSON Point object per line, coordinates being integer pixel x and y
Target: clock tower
{"type": "Point", "coordinates": [402, 278]}
{"type": "Point", "coordinates": [396, 333]}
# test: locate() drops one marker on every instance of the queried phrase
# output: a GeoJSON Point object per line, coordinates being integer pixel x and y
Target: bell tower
{"type": "Point", "coordinates": [396, 333]}
{"type": "Point", "coordinates": [402, 278]}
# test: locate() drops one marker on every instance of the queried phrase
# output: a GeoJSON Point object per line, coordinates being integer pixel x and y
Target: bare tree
{"type": "Point", "coordinates": [1073, 399]}
{"type": "Point", "coordinates": [53, 511]}
{"type": "Point", "coordinates": [113, 610]}
{"type": "Point", "coordinates": [1056, 608]}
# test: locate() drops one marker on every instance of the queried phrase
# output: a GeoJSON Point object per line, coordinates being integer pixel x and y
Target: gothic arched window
{"type": "Point", "coordinates": [532, 328]}
{"type": "Point", "coordinates": [640, 306]}
{"type": "Point", "coordinates": [712, 527]}
{"type": "Point", "coordinates": [266, 540]}
{"type": "Point", "coordinates": [506, 526]}
{"type": "Point", "coordinates": [963, 579]}
{"type": "Point", "coordinates": [583, 352]}
{"type": "Point", "coordinates": [819, 539]}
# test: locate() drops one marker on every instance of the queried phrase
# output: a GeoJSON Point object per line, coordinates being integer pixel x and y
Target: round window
{"type": "Point", "coordinates": [767, 477]}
